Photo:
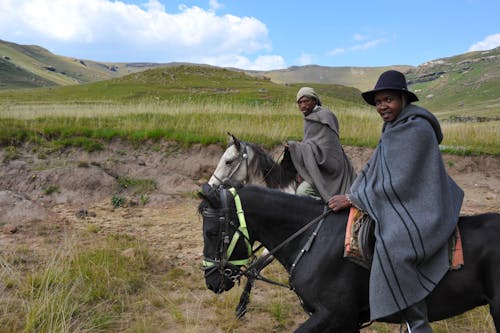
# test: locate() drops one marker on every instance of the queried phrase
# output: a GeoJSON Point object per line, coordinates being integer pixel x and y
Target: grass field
{"type": "Point", "coordinates": [204, 122]}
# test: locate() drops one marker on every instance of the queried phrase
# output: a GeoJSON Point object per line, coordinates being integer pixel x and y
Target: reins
{"type": "Point", "coordinates": [290, 238]}
{"type": "Point", "coordinates": [253, 270]}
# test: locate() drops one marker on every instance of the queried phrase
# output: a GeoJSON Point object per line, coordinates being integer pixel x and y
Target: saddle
{"type": "Point", "coordinates": [360, 241]}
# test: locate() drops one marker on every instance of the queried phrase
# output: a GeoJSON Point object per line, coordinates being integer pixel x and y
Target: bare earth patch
{"type": "Point", "coordinates": [45, 194]}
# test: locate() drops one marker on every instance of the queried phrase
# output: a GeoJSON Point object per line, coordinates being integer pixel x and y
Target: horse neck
{"type": "Point", "coordinates": [273, 216]}
{"type": "Point", "coordinates": [266, 171]}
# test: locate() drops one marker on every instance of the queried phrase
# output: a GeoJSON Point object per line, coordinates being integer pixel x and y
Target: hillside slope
{"type": "Point", "coordinates": [460, 86]}
{"type": "Point", "coordinates": [359, 77]}
{"type": "Point", "coordinates": [55, 70]}
{"type": "Point", "coordinates": [184, 83]}
{"type": "Point", "coordinates": [468, 83]}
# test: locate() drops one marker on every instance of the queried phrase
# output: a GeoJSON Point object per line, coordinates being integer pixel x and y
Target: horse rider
{"type": "Point", "coordinates": [414, 203]}
{"type": "Point", "coordinates": [319, 159]}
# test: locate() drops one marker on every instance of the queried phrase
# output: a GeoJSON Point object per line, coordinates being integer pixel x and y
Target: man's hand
{"type": "Point", "coordinates": [339, 202]}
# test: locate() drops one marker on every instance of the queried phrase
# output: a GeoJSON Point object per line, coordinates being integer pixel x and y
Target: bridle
{"type": "Point", "coordinates": [222, 262]}
{"type": "Point", "coordinates": [242, 158]}
{"type": "Point", "coordinates": [231, 268]}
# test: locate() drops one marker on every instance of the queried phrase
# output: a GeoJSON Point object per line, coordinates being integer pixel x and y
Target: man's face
{"type": "Point", "coordinates": [388, 104]}
{"type": "Point", "coordinates": [306, 104]}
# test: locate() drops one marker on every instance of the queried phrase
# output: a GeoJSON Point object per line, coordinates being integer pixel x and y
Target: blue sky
{"type": "Point", "coordinates": [254, 34]}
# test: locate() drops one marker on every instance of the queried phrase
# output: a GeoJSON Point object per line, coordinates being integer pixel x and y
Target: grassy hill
{"type": "Point", "coordinates": [466, 85]}
{"type": "Point", "coordinates": [27, 66]}
{"type": "Point", "coordinates": [184, 83]}
{"type": "Point", "coordinates": [14, 77]}
{"type": "Point", "coordinates": [459, 87]}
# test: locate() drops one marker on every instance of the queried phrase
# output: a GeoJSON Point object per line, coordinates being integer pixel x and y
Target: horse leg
{"type": "Point", "coordinates": [494, 301]}
{"type": "Point", "coordinates": [494, 311]}
{"type": "Point", "coordinates": [260, 264]}
{"type": "Point", "coordinates": [321, 321]}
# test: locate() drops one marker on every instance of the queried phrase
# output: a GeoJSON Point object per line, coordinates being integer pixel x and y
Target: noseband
{"type": "Point", "coordinates": [222, 263]}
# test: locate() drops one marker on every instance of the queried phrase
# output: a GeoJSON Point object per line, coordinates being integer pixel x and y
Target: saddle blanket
{"type": "Point", "coordinates": [360, 241]}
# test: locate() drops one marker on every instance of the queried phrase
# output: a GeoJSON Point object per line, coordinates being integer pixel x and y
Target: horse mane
{"type": "Point", "coordinates": [275, 175]}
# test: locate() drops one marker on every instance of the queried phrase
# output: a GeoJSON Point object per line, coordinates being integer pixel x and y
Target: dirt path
{"type": "Point", "coordinates": [44, 192]}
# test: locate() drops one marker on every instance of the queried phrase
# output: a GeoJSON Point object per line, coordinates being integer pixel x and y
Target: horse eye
{"type": "Point", "coordinates": [229, 162]}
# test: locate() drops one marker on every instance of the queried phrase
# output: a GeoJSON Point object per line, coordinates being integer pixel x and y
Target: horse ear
{"type": "Point", "coordinates": [234, 140]}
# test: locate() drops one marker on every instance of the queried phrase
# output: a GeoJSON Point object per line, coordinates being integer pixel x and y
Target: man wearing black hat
{"type": "Point", "coordinates": [415, 204]}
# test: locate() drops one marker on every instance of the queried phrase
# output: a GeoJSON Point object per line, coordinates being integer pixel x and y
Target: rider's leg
{"type": "Point", "coordinates": [306, 188]}
{"type": "Point", "coordinates": [416, 318]}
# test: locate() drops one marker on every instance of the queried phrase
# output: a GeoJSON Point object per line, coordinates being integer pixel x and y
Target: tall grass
{"type": "Point", "coordinates": [75, 289]}
{"type": "Point", "coordinates": [208, 123]}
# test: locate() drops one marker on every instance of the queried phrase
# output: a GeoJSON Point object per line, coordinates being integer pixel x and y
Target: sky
{"type": "Point", "coordinates": [254, 34]}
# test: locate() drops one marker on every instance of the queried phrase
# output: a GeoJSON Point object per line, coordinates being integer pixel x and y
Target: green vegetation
{"type": "Point", "coordinates": [200, 104]}
{"type": "Point", "coordinates": [90, 126]}
{"type": "Point", "coordinates": [50, 189]}
{"type": "Point", "coordinates": [115, 282]}
{"type": "Point", "coordinates": [118, 201]}
{"type": "Point", "coordinates": [76, 290]}
{"type": "Point", "coordinates": [464, 85]}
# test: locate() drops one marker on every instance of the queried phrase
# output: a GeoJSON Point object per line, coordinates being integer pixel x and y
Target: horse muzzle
{"type": "Point", "coordinates": [218, 281]}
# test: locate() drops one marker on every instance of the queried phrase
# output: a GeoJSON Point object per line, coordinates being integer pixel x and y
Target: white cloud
{"type": "Point", "coordinates": [338, 50]}
{"type": "Point", "coordinates": [305, 59]}
{"type": "Point", "coordinates": [367, 44]}
{"type": "Point", "coordinates": [214, 5]}
{"type": "Point", "coordinates": [490, 42]}
{"type": "Point", "coordinates": [108, 30]}
{"type": "Point", "coordinates": [359, 37]}
{"type": "Point", "coordinates": [266, 62]}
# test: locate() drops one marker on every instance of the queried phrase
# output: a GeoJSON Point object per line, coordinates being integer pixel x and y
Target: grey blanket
{"type": "Point", "coordinates": [319, 157]}
{"type": "Point", "coordinates": [415, 205]}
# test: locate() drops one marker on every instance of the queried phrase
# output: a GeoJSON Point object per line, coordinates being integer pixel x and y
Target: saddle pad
{"type": "Point", "coordinates": [360, 240]}
{"type": "Point", "coordinates": [456, 253]}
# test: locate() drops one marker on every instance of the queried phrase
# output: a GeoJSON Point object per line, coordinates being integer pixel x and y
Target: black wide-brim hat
{"type": "Point", "coordinates": [389, 80]}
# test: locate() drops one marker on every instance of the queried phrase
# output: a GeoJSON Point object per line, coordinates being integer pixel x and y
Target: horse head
{"type": "Point", "coordinates": [227, 246]}
{"type": "Point", "coordinates": [248, 163]}
{"type": "Point", "coordinates": [234, 163]}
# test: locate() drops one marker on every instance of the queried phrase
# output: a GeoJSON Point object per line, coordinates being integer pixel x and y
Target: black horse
{"type": "Point", "coordinates": [334, 291]}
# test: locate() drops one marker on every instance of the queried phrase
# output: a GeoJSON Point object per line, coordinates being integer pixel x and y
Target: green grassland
{"type": "Point", "coordinates": [199, 104]}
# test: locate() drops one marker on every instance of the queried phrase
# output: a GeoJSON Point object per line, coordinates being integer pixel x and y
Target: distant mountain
{"type": "Point", "coordinates": [466, 84]}
{"type": "Point", "coordinates": [31, 66]}
{"type": "Point", "coordinates": [362, 78]}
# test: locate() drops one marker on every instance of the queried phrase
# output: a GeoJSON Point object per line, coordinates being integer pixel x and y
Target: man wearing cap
{"type": "Point", "coordinates": [414, 203]}
{"type": "Point", "coordinates": [319, 158]}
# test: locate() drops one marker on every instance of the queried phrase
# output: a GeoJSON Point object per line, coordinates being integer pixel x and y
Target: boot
{"type": "Point", "coordinates": [416, 318]}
